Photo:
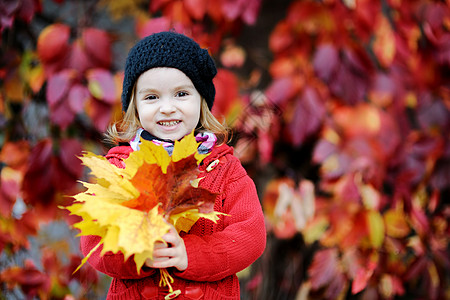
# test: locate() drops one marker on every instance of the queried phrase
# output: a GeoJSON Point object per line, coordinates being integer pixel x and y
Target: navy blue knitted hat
{"type": "Point", "coordinates": [173, 50]}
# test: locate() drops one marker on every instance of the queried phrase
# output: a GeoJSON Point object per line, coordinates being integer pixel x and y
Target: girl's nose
{"type": "Point", "coordinates": [167, 106]}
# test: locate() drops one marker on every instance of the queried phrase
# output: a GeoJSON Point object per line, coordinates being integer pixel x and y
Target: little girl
{"type": "Point", "coordinates": [168, 92]}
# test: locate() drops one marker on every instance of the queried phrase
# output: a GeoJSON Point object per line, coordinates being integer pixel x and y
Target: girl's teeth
{"type": "Point", "coordinates": [171, 123]}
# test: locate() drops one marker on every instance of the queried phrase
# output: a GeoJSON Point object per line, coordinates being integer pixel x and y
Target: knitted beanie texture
{"type": "Point", "coordinates": [173, 50]}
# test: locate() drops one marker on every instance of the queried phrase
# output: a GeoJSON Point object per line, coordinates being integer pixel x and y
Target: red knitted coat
{"type": "Point", "coordinates": [216, 252]}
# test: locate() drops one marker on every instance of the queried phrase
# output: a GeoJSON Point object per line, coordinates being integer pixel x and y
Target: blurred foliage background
{"type": "Point", "coordinates": [339, 111]}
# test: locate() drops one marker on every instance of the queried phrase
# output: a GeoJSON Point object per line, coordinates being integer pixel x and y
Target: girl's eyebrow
{"type": "Point", "coordinates": [185, 86]}
{"type": "Point", "coordinates": [179, 87]}
{"type": "Point", "coordinates": [146, 90]}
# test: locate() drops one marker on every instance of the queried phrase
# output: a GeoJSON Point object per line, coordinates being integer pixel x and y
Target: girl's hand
{"type": "Point", "coordinates": [171, 255]}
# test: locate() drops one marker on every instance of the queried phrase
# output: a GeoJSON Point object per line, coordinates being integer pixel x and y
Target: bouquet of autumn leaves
{"type": "Point", "coordinates": [131, 208]}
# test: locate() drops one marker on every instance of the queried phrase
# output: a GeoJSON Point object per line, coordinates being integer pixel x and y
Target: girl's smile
{"type": "Point", "coordinates": [168, 123]}
{"type": "Point", "coordinates": [167, 102]}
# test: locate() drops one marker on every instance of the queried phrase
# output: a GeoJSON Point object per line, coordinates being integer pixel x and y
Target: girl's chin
{"type": "Point", "coordinates": [170, 136]}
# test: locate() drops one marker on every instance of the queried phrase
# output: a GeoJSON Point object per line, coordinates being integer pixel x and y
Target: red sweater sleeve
{"type": "Point", "coordinates": [113, 265]}
{"type": "Point", "coordinates": [243, 238]}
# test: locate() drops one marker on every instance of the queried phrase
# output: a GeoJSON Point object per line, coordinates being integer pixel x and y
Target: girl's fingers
{"type": "Point", "coordinates": [172, 237]}
{"type": "Point", "coordinates": [172, 240]}
{"type": "Point", "coordinates": [172, 253]}
{"type": "Point", "coordinates": [161, 252]}
{"type": "Point", "coordinates": [159, 245]}
{"type": "Point", "coordinates": [164, 264]}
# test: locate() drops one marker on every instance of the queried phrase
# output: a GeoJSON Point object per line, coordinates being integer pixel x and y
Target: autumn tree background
{"type": "Point", "coordinates": [339, 111]}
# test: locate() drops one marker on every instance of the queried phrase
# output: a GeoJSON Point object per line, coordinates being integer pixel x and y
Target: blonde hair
{"type": "Point", "coordinates": [125, 129]}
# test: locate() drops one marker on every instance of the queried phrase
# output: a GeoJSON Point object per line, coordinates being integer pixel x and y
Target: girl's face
{"type": "Point", "coordinates": [167, 102]}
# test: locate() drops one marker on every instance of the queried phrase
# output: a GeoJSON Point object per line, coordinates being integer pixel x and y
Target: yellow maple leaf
{"type": "Point", "coordinates": [131, 208]}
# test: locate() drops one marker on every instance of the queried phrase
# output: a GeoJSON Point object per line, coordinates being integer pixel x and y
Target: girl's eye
{"type": "Point", "coordinates": [150, 97]}
{"type": "Point", "coordinates": [182, 94]}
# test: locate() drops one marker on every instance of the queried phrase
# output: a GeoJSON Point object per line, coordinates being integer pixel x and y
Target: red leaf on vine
{"type": "Point", "coordinates": [359, 231]}
{"type": "Point", "coordinates": [8, 10]}
{"type": "Point", "coordinates": [419, 221]}
{"type": "Point", "coordinates": [28, 9]}
{"type": "Point", "coordinates": [250, 14]}
{"type": "Point", "coordinates": [77, 98]}
{"type": "Point", "coordinates": [87, 275]}
{"type": "Point", "coordinates": [440, 178]}
{"type": "Point", "coordinates": [326, 61]}
{"type": "Point", "coordinates": [323, 150]}
{"type": "Point", "coordinates": [175, 11]}
{"type": "Point", "coordinates": [69, 150]}
{"type": "Point", "coordinates": [281, 38]}
{"type": "Point", "coordinates": [383, 89]}
{"type": "Point", "coordinates": [37, 180]}
{"type": "Point", "coordinates": [196, 8]}
{"type": "Point", "coordinates": [97, 45]}
{"type": "Point", "coordinates": [361, 279]}
{"type": "Point", "coordinates": [308, 115]}
{"type": "Point", "coordinates": [52, 265]}
{"type": "Point", "coordinates": [101, 85]}
{"type": "Point", "coordinates": [351, 77]}
{"type": "Point", "coordinates": [19, 230]}
{"type": "Point", "coordinates": [265, 146]}
{"type": "Point", "coordinates": [246, 9]}
{"type": "Point", "coordinates": [79, 59]}
{"type": "Point", "coordinates": [100, 113]}
{"type": "Point", "coordinates": [325, 270]}
{"type": "Point", "coordinates": [433, 114]}
{"type": "Point", "coordinates": [157, 4]}
{"type": "Point", "coordinates": [153, 25]}
{"type": "Point", "coordinates": [227, 92]}
{"type": "Point", "coordinates": [29, 279]}
{"type": "Point", "coordinates": [61, 114]}
{"type": "Point", "coordinates": [15, 154]}
{"type": "Point", "coordinates": [58, 85]}
{"type": "Point", "coordinates": [9, 190]}
{"type": "Point", "coordinates": [418, 266]}
{"type": "Point", "coordinates": [53, 168]}
{"type": "Point", "coordinates": [52, 44]}
{"type": "Point", "coordinates": [281, 90]}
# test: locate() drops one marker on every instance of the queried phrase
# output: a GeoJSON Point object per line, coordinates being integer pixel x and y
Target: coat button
{"type": "Point", "coordinates": [193, 292]}
{"type": "Point", "coordinates": [212, 165]}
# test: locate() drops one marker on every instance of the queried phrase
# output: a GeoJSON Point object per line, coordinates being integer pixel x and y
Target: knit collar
{"type": "Point", "coordinates": [207, 141]}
